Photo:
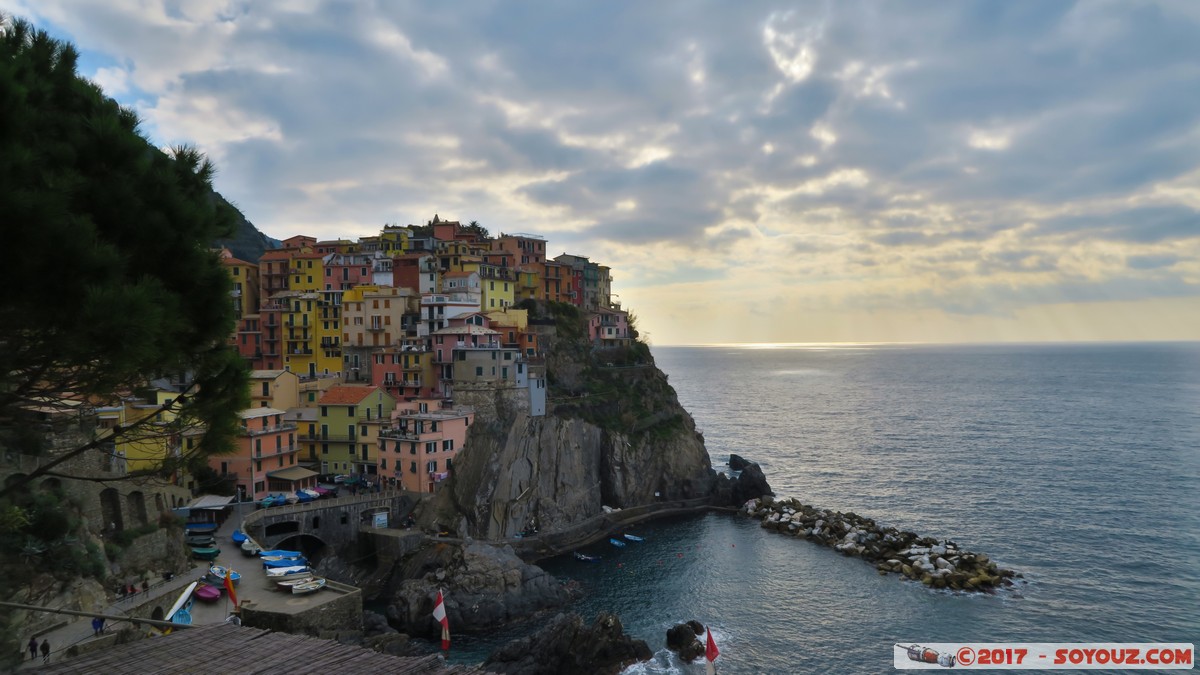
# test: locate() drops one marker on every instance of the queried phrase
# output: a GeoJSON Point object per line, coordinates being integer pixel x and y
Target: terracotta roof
{"type": "Point", "coordinates": [340, 394]}
{"type": "Point", "coordinates": [465, 330]}
{"type": "Point", "coordinates": [237, 261]}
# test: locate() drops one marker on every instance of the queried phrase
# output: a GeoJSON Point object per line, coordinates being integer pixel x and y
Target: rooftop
{"type": "Point", "coordinates": [253, 413]}
{"type": "Point", "coordinates": [342, 394]}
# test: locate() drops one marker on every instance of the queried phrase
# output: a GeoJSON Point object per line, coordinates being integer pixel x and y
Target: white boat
{"type": "Point", "coordinates": [250, 548]}
{"type": "Point", "coordinates": [309, 586]}
{"type": "Point", "coordinates": [284, 571]}
{"type": "Point", "coordinates": [216, 574]}
{"type": "Point", "coordinates": [293, 579]}
{"type": "Point", "coordinates": [179, 605]}
{"type": "Point", "coordinates": [632, 537]}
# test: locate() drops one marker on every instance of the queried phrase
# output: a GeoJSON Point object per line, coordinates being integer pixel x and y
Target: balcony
{"type": "Point", "coordinates": [267, 454]}
{"type": "Point", "coordinates": [376, 329]}
{"type": "Point", "coordinates": [396, 433]}
{"type": "Point", "coordinates": [300, 352]}
{"type": "Point", "coordinates": [269, 430]}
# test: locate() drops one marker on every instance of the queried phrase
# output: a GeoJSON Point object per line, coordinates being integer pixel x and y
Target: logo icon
{"type": "Point", "coordinates": [926, 655]}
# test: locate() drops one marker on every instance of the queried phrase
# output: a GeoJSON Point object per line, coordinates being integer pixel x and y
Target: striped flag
{"type": "Point", "coordinates": [710, 654]}
{"type": "Point", "coordinates": [229, 586]}
{"type": "Point", "coordinates": [439, 613]}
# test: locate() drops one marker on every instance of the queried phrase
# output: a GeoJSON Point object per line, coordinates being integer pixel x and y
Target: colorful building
{"type": "Point", "coordinates": [349, 420]}
{"type": "Point", "coordinates": [265, 460]}
{"type": "Point", "coordinates": [417, 449]}
{"type": "Point", "coordinates": [274, 389]}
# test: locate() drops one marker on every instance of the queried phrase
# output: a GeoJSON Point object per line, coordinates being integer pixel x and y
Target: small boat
{"type": "Point", "coordinates": [284, 562]}
{"type": "Point", "coordinates": [200, 540]}
{"type": "Point", "coordinates": [631, 537]}
{"type": "Point", "coordinates": [285, 571]}
{"type": "Point", "coordinates": [238, 537]}
{"type": "Point", "coordinates": [183, 615]}
{"type": "Point", "coordinates": [200, 528]}
{"type": "Point", "coordinates": [207, 593]}
{"type": "Point", "coordinates": [586, 558]}
{"type": "Point", "coordinates": [289, 498]}
{"type": "Point", "coordinates": [277, 558]}
{"type": "Point", "coordinates": [309, 586]}
{"type": "Point", "coordinates": [209, 553]}
{"type": "Point", "coordinates": [250, 549]}
{"type": "Point", "coordinates": [323, 492]}
{"type": "Point", "coordinates": [293, 579]}
{"type": "Point", "coordinates": [311, 492]}
{"type": "Point", "coordinates": [217, 573]}
{"type": "Point", "coordinates": [180, 603]}
{"type": "Point", "coordinates": [269, 501]}
{"type": "Point", "coordinates": [280, 553]}
{"type": "Point", "coordinates": [617, 542]}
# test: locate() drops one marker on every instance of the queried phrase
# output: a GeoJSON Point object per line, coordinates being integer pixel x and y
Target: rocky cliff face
{"type": "Point", "coordinates": [614, 435]}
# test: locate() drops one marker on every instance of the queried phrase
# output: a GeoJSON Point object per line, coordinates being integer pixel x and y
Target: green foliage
{"type": "Point", "coordinates": [131, 290]}
{"type": "Point", "coordinates": [126, 537]}
{"type": "Point", "coordinates": [13, 519]}
{"type": "Point", "coordinates": [113, 550]}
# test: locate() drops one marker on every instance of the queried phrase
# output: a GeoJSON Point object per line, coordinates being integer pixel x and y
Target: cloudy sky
{"type": "Point", "coordinates": [752, 172]}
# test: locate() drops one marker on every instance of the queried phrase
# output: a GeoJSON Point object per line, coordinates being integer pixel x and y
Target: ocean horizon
{"type": "Point", "coordinates": [1074, 464]}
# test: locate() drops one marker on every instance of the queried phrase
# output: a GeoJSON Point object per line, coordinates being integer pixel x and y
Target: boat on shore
{"type": "Point", "coordinates": [200, 528]}
{"type": "Point", "coordinates": [180, 603]}
{"type": "Point", "coordinates": [283, 562]}
{"type": "Point", "coordinates": [200, 540]}
{"type": "Point", "coordinates": [309, 586]}
{"type": "Point", "coordinates": [285, 571]}
{"type": "Point", "coordinates": [632, 537]}
{"type": "Point", "coordinates": [208, 593]}
{"type": "Point", "coordinates": [617, 542]}
{"type": "Point", "coordinates": [250, 549]}
{"type": "Point", "coordinates": [217, 574]}
{"type": "Point", "coordinates": [238, 537]}
{"type": "Point", "coordinates": [280, 553]}
{"type": "Point", "coordinates": [207, 553]}
{"type": "Point", "coordinates": [583, 557]}
{"type": "Point", "coordinates": [293, 579]}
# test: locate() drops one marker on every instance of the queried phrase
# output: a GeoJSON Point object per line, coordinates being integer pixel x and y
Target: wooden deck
{"type": "Point", "coordinates": [225, 648]}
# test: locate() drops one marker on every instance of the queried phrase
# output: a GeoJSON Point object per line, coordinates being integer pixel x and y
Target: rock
{"type": "Point", "coordinates": [736, 463]}
{"type": "Point", "coordinates": [565, 646]}
{"type": "Point", "coordinates": [752, 483]}
{"type": "Point", "coordinates": [375, 624]}
{"type": "Point", "coordinates": [681, 639]}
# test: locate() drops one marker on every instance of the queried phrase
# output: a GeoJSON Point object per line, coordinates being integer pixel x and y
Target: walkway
{"type": "Point", "coordinates": [80, 631]}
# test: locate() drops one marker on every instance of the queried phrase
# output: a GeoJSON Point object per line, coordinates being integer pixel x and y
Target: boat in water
{"type": "Point", "coordinates": [631, 537]}
{"type": "Point", "coordinates": [583, 557]}
{"type": "Point", "coordinates": [617, 542]}
{"type": "Point", "coordinates": [309, 586]}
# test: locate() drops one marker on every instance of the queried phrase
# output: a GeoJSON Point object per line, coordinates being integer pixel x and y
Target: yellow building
{"type": "Point", "coordinates": [394, 239]}
{"type": "Point", "coordinates": [348, 431]}
{"type": "Point", "coordinates": [299, 328]}
{"type": "Point", "coordinates": [245, 283]}
{"type": "Point", "coordinates": [152, 443]}
{"type": "Point", "coordinates": [307, 273]}
{"type": "Point", "coordinates": [497, 287]}
{"type": "Point", "coordinates": [274, 389]}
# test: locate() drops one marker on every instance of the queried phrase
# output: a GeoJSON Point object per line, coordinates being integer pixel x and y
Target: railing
{"type": "Point", "coordinates": [258, 432]}
{"type": "Point", "coordinates": [287, 449]}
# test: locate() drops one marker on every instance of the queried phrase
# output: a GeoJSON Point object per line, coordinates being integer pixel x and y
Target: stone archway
{"type": "Point", "coordinates": [157, 614]}
{"type": "Point", "coordinates": [136, 503]}
{"type": "Point", "coordinates": [110, 510]}
{"type": "Point", "coordinates": [313, 548]}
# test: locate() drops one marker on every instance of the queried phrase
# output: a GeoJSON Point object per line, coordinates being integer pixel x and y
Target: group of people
{"type": "Point", "coordinates": [130, 590]}
{"type": "Point", "coordinates": [33, 649]}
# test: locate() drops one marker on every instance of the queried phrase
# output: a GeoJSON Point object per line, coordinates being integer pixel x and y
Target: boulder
{"type": "Point", "coordinates": [681, 639]}
{"type": "Point", "coordinates": [736, 463]}
{"type": "Point", "coordinates": [752, 483]}
{"type": "Point", "coordinates": [564, 645]}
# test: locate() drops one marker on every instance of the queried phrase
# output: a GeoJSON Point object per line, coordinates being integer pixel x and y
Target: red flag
{"type": "Point", "coordinates": [229, 586]}
{"type": "Point", "coordinates": [711, 653]}
{"type": "Point", "coordinates": [439, 613]}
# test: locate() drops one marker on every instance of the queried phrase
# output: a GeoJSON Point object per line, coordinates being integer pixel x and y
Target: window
{"type": "Point", "coordinates": [324, 410]}
{"type": "Point", "coordinates": [412, 468]}
{"type": "Point", "coordinates": [412, 450]}
{"type": "Point", "coordinates": [448, 444]}
{"type": "Point", "coordinates": [258, 466]}
{"type": "Point", "coordinates": [431, 466]}
{"type": "Point", "coordinates": [478, 371]}
{"type": "Point", "coordinates": [258, 447]}
{"type": "Point", "coordinates": [431, 448]}
{"type": "Point", "coordinates": [383, 463]}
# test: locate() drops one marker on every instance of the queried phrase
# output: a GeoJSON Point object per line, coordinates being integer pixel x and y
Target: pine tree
{"type": "Point", "coordinates": [110, 280]}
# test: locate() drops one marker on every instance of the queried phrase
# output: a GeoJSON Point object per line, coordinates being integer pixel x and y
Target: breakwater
{"type": "Point", "coordinates": [937, 564]}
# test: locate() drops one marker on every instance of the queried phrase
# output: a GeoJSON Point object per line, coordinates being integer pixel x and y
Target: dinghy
{"type": "Point", "coordinates": [250, 549]}
{"type": "Point", "coordinates": [182, 602]}
{"type": "Point", "coordinates": [631, 537]}
{"type": "Point", "coordinates": [216, 574]}
{"type": "Point", "coordinates": [308, 586]}
{"type": "Point", "coordinates": [239, 537]}
{"type": "Point", "coordinates": [207, 593]}
{"type": "Point", "coordinates": [280, 572]}
{"type": "Point", "coordinates": [583, 557]}
{"type": "Point", "coordinates": [209, 553]}
{"type": "Point", "coordinates": [617, 542]}
{"type": "Point", "coordinates": [280, 553]}
{"type": "Point", "coordinates": [284, 562]}
{"type": "Point", "coordinates": [200, 528]}
{"type": "Point", "coordinates": [293, 579]}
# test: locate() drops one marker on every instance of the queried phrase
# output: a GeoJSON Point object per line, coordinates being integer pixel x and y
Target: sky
{"type": "Point", "coordinates": [751, 172]}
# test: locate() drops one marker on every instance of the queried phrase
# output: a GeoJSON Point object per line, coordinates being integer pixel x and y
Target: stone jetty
{"type": "Point", "coordinates": [937, 564]}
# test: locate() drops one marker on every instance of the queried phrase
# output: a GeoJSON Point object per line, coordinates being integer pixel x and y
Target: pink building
{"type": "Point", "coordinates": [417, 451]}
{"type": "Point", "coordinates": [608, 328]}
{"type": "Point", "coordinates": [265, 461]}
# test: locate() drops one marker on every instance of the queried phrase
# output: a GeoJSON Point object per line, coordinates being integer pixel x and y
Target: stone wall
{"type": "Point", "coordinates": [342, 613]}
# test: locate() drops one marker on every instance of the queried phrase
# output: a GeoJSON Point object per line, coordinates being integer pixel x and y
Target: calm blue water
{"type": "Point", "coordinates": [1078, 465]}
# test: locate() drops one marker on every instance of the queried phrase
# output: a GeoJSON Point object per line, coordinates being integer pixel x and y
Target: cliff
{"type": "Point", "coordinates": [614, 435]}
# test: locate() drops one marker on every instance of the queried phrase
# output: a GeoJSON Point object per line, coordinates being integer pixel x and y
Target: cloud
{"type": "Point", "coordinates": [972, 157]}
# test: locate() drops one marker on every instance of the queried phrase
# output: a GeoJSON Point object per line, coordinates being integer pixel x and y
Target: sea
{"type": "Point", "coordinates": [1077, 465]}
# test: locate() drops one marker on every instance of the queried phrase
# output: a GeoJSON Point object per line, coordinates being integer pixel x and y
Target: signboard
{"type": "Point", "coordinates": [381, 519]}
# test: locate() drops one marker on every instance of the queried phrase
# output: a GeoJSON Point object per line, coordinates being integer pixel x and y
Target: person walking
{"type": "Point", "coordinates": [45, 651]}
{"type": "Point", "coordinates": [145, 586]}
{"type": "Point", "coordinates": [95, 626]}
{"type": "Point", "coordinates": [33, 645]}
